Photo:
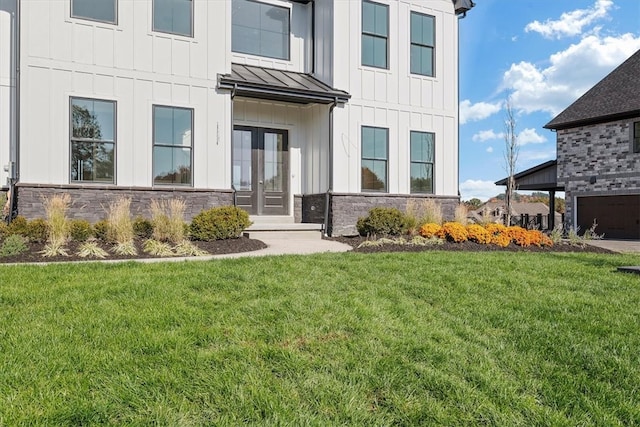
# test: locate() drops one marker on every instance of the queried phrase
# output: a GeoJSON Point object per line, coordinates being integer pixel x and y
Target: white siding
{"type": "Point", "coordinates": [5, 92]}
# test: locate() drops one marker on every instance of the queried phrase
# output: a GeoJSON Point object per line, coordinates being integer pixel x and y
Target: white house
{"type": "Point", "coordinates": [311, 110]}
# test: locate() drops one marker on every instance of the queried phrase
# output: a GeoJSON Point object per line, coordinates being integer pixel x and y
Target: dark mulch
{"type": "Point", "coordinates": [465, 246]}
{"type": "Point", "coordinates": [218, 247]}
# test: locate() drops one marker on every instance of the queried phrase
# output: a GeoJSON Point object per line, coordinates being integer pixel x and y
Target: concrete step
{"type": "Point", "coordinates": [292, 230]}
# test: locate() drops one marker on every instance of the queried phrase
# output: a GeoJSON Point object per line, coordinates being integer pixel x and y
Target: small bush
{"type": "Point", "coordinates": [19, 226]}
{"type": "Point", "coordinates": [80, 230]}
{"type": "Point", "coordinates": [91, 249]}
{"type": "Point", "coordinates": [158, 248]}
{"type": "Point", "coordinates": [142, 228]}
{"type": "Point", "coordinates": [430, 230]}
{"type": "Point", "coordinates": [13, 245]}
{"type": "Point", "coordinates": [495, 229]}
{"type": "Point", "coordinates": [4, 230]}
{"type": "Point", "coordinates": [225, 222]}
{"type": "Point", "coordinates": [101, 230]}
{"type": "Point", "coordinates": [479, 234]}
{"type": "Point", "coordinates": [186, 248]}
{"type": "Point", "coordinates": [382, 221]}
{"type": "Point", "coordinates": [501, 239]}
{"type": "Point", "coordinates": [37, 230]}
{"type": "Point", "coordinates": [453, 231]}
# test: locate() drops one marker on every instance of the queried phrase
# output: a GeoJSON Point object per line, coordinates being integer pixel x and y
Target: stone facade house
{"type": "Point", "coordinates": [295, 110]}
{"type": "Point", "coordinates": [598, 149]}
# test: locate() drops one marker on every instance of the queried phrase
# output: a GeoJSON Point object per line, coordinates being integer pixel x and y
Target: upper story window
{"type": "Point", "coordinates": [172, 145]}
{"type": "Point", "coordinates": [422, 147]}
{"type": "Point", "coordinates": [422, 44]}
{"type": "Point", "coordinates": [260, 29]}
{"type": "Point", "coordinates": [173, 16]}
{"type": "Point", "coordinates": [95, 10]}
{"type": "Point", "coordinates": [636, 137]}
{"type": "Point", "coordinates": [93, 138]}
{"type": "Point", "coordinates": [375, 34]}
{"type": "Point", "coordinates": [375, 143]}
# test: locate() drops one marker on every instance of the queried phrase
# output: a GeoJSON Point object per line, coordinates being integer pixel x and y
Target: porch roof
{"type": "Point", "coordinates": [279, 85]}
{"type": "Point", "coordinates": [542, 177]}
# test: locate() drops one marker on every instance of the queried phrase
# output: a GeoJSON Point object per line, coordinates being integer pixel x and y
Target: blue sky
{"type": "Point", "coordinates": [542, 55]}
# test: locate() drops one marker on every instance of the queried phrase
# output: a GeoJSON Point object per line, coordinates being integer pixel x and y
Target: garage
{"type": "Point", "coordinates": [618, 217]}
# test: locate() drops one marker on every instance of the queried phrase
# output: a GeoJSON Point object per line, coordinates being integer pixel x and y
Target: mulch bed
{"type": "Point", "coordinates": [218, 247]}
{"type": "Point", "coordinates": [468, 246]}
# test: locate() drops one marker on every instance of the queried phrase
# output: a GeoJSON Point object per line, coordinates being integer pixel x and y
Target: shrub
{"type": "Point", "coordinates": [453, 231]}
{"type": "Point", "coordinates": [80, 230]}
{"type": "Point", "coordinates": [519, 236]}
{"type": "Point", "coordinates": [226, 222]}
{"type": "Point", "coordinates": [13, 245]}
{"type": "Point", "coordinates": [382, 221]}
{"type": "Point", "coordinates": [101, 230]}
{"type": "Point", "coordinates": [56, 208]}
{"type": "Point", "coordinates": [495, 229]}
{"type": "Point", "coordinates": [142, 227]}
{"type": "Point", "coordinates": [167, 218]}
{"type": "Point", "coordinates": [4, 230]}
{"type": "Point", "coordinates": [19, 225]}
{"type": "Point", "coordinates": [37, 230]}
{"type": "Point", "coordinates": [430, 230]}
{"type": "Point", "coordinates": [501, 239]}
{"type": "Point", "coordinates": [477, 233]}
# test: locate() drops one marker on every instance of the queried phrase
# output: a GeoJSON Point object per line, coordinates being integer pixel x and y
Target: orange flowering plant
{"type": "Point", "coordinates": [453, 231]}
{"type": "Point", "coordinates": [430, 230]}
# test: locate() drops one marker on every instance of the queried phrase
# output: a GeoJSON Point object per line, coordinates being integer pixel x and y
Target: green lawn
{"type": "Point", "coordinates": [434, 338]}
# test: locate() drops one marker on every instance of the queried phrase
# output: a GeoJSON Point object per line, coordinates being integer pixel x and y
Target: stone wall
{"type": "Point", "coordinates": [91, 202]}
{"type": "Point", "coordinates": [597, 160]}
{"type": "Point", "coordinates": [347, 208]}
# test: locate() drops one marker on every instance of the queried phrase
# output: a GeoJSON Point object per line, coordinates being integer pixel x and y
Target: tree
{"type": "Point", "coordinates": [473, 204]}
{"type": "Point", "coordinates": [511, 150]}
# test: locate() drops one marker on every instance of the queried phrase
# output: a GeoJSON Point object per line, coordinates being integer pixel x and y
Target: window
{"type": "Point", "coordinates": [422, 44]}
{"type": "Point", "coordinates": [173, 16]}
{"type": "Point", "coordinates": [375, 34]}
{"type": "Point", "coordinates": [93, 130]}
{"type": "Point", "coordinates": [172, 145]}
{"type": "Point", "coordinates": [95, 10]}
{"type": "Point", "coordinates": [422, 147]}
{"type": "Point", "coordinates": [636, 137]}
{"type": "Point", "coordinates": [374, 158]}
{"type": "Point", "coordinates": [260, 29]}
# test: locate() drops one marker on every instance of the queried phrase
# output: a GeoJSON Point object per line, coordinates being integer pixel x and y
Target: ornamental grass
{"type": "Point", "coordinates": [55, 208]}
{"type": "Point", "coordinates": [120, 226]}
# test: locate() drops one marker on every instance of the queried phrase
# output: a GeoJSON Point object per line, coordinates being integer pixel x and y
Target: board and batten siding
{"type": "Point", "coordinates": [5, 92]}
{"type": "Point", "coordinates": [65, 57]}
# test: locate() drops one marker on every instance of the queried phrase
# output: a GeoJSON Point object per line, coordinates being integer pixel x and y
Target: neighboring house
{"type": "Point", "coordinates": [598, 141]}
{"type": "Point", "coordinates": [525, 214]}
{"type": "Point", "coordinates": [311, 111]}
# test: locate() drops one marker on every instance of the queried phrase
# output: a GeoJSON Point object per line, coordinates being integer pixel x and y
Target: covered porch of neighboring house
{"type": "Point", "coordinates": [542, 177]}
{"type": "Point", "coordinates": [281, 142]}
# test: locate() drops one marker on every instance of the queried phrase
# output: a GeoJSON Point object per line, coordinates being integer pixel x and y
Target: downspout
{"type": "Point", "coordinates": [460, 17]}
{"type": "Point", "coordinates": [327, 202]}
{"type": "Point", "coordinates": [14, 112]}
{"type": "Point", "coordinates": [233, 188]}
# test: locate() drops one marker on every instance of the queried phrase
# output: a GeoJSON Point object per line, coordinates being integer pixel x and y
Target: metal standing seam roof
{"type": "Point", "coordinates": [615, 97]}
{"type": "Point", "coordinates": [269, 83]}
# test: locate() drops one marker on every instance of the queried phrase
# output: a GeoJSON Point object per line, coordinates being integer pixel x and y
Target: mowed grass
{"type": "Point", "coordinates": [430, 338]}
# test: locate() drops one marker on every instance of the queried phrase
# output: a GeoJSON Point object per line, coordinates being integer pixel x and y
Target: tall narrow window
{"type": "Point", "coordinates": [636, 137]}
{"type": "Point", "coordinates": [172, 145]}
{"type": "Point", "coordinates": [93, 138]}
{"type": "Point", "coordinates": [260, 29]}
{"type": "Point", "coordinates": [173, 16]}
{"type": "Point", "coordinates": [95, 10]}
{"type": "Point", "coordinates": [422, 147]}
{"type": "Point", "coordinates": [422, 44]}
{"type": "Point", "coordinates": [374, 158]}
{"type": "Point", "coordinates": [375, 34]}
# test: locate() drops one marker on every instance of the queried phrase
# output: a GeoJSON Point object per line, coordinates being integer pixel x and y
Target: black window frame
{"type": "Point", "coordinates": [88, 18]}
{"type": "Point", "coordinates": [373, 35]}
{"type": "Point", "coordinates": [80, 140]}
{"type": "Point", "coordinates": [363, 159]}
{"type": "Point", "coordinates": [175, 33]}
{"type": "Point", "coordinates": [174, 146]}
{"type": "Point", "coordinates": [421, 45]}
{"type": "Point", "coordinates": [422, 162]}
{"type": "Point", "coordinates": [635, 137]}
{"type": "Point", "coordinates": [260, 54]}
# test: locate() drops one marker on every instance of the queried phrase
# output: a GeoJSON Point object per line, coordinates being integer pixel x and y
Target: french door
{"type": "Point", "coordinates": [260, 175]}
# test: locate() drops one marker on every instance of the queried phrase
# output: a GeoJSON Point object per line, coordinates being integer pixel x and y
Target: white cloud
{"type": "Point", "coordinates": [530, 136]}
{"type": "Point", "coordinates": [570, 74]}
{"type": "Point", "coordinates": [571, 23]}
{"type": "Point", "coordinates": [487, 135]}
{"type": "Point", "coordinates": [526, 158]}
{"type": "Point", "coordinates": [483, 190]}
{"type": "Point", "coordinates": [478, 111]}
{"type": "Point", "coordinates": [489, 149]}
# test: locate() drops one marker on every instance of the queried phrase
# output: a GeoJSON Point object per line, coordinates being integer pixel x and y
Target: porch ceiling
{"type": "Point", "coordinates": [542, 177]}
{"type": "Point", "coordinates": [279, 85]}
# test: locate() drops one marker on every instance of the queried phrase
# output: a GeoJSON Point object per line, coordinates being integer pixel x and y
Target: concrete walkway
{"type": "Point", "coordinates": [620, 246]}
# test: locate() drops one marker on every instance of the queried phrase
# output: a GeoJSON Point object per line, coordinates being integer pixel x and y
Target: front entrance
{"type": "Point", "coordinates": [260, 161]}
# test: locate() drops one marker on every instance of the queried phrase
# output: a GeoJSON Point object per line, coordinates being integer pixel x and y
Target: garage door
{"type": "Point", "coordinates": [618, 217]}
